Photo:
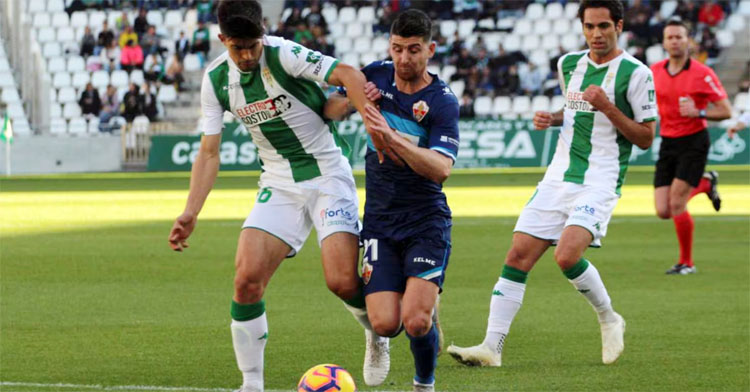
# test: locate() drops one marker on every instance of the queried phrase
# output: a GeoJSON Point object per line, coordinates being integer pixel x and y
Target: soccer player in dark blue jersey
{"type": "Point", "coordinates": [407, 222]}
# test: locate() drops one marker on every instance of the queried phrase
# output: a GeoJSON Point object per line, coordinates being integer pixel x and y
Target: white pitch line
{"type": "Point", "coordinates": [96, 387]}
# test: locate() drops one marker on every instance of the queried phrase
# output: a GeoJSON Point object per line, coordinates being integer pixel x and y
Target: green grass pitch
{"type": "Point", "coordinates": [92, 298]}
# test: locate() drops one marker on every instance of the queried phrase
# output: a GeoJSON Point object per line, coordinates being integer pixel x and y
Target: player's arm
{"type": "Point", "coordinates": [716, 111]}
{"type": "Point", "coordinates": [205, 168]}
{"type": "Point", "coordinates": [426, 162]}
{"type": "Point", "coordinates": [640, 134]}
{"type": "Point", "coordinates": [544, 120]}
{"type": "Point", "coordinates": [741, 123]}
{"type": "Point", "coordinates": [338, 106]}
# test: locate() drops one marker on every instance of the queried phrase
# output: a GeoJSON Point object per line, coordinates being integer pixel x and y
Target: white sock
{"type": "Point", "coordinates": [360, 315]}
{"type": "Point", "coordinates": [590, 284]}
{"type": "Point", "coordinates": [507, 297]}
{"type": "Point", "coordinates": [249, 339]}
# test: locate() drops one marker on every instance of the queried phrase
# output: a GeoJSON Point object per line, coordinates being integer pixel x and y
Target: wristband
{"type": "Point", "coordinates": [702, 113]}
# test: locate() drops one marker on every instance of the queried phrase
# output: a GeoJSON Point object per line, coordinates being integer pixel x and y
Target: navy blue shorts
{"type": "Point", "coordinates": [420, 250]}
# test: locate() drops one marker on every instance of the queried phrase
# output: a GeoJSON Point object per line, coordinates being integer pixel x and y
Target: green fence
{"type": "Point", "coordinates": [490, 143]}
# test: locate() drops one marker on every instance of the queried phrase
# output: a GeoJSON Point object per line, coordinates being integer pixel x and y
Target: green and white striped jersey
{"type": "Point", "coordinates": [590, 150]}
{"type": "Point", "coordinates": [281, 106]}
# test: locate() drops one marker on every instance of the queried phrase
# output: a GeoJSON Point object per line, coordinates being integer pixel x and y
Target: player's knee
{"type": "Point", "coordinates": [663, 213]}
{"type": "Point", "coordinates": [248, 290]}
{"type": "Point", "coordinates": [515, 259]}
{"type": "Point", "coordinates": [385, 327]}
{"type": "Point", "coordinates": [417, 325]}
{"type": "Point", "coordinates": [342, 287]}
{"type": "Point", "coordinates": [676, 210]}
{"type": "Point", "coordinates": [564, 258]}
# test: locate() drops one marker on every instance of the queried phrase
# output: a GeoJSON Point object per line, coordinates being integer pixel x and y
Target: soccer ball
{"type": "Point", "coordinates": [326, 378]}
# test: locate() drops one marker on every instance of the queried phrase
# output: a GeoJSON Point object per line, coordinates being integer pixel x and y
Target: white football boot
{"type": "Point", "coordinates": [377, 359]}
{"type": "Point", "coordinates": [613, 340]}
{"type": "Point", "coordinates": [480, 355]}
{"type": "Point", "coordinates": [418, 387]}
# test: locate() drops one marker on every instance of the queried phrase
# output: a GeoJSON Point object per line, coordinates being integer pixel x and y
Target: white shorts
{"type": "Point", "coordinates": [557, 205]}
{"type": "Point", "coordinates": [329, 203]}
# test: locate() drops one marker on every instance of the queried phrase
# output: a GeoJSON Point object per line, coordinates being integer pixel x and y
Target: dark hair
{"type": "Point", "coordinates": [412, 23]}
{"type": "Point", "coordinates": [240, 18]}
{"type": "Point", "coordinates": [615, 8]}
{"type": "Point", "coordinates": [677, 21]}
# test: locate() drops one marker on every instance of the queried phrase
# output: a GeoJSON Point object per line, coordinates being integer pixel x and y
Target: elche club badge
{"type": "Point", "coordinates": [419, 110]}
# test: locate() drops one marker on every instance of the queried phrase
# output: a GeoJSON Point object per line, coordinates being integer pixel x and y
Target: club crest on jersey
{"type": "Point", "coordinates": [267, 77]}
{"type": "Point", "coordinates": [419, 110]}
{"type": "Point", "coordinates": [264, 110]}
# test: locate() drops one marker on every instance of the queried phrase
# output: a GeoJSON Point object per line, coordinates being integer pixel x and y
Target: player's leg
{"type": "Point", "coordinates": [275, 229]}
{"type": "Point", "coordinates": [416, 311]}
{"type": "Point", "coordinates": [661, 202]}
{"type": "Point", "coordinates": [259, 254]}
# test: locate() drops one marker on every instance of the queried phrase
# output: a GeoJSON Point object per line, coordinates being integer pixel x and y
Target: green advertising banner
{"type": "Point", "coordinates": [484, 143]}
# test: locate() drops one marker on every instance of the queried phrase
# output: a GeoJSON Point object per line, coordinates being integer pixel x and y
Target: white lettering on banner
{"type": "Point", "coordinates": [247, 154]}
{"type": "Point", "coordinates": [178, 153]}
{"type": "Point", "coordinates": [724, 149]}
{"type": "Point", "coordinates": [491, 145]}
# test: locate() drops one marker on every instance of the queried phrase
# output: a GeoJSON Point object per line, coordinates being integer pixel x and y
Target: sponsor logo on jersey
{"type": "Point", "coordinates": [447, 91]}
{"type": "Point", "coordinates": [259, 112]}
{"type": "Point", "coordinates": [419, 110]}
{"type": "Point", "coordinates": [447, 139]}
{"type": "Point", "coordinates": [313, 57]}
{"type": "Point", "coordinates": [586, 209]}
{"type": "Point", "coordinates": [386, 94]}
{"type": "Point", "coordinates": [425, 260]}
{"type": "Point", "coordinates": [574, 101]}
{"type": "Point", "coordinates": [339, 217]}
{"type": "Point", "coordinates": [296, 50]}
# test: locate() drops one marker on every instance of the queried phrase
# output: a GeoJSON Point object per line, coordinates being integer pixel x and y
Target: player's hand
{"type": "Point", "coordinates": [596, 96]}
{"type": "Point", "coordinates": [372, 92]}
{"type": "Point", "coordinates": [687, 108]}
{"type": "Point", "coordinates": [181, 230]}
{"type": "Point", "coordinates": [734, 129]}
{"type": "Point", "coordinates": [381, 134]}
{"type": "Point", "coordinates": [542, 120]}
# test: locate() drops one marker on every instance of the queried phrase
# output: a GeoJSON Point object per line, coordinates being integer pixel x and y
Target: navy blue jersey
{"type": "Point", "coordinates": [429, 118]}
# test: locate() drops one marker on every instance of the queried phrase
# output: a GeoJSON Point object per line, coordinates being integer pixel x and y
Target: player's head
{"type": "Point", "coordinates": [241, 26]}
{"type": "Point", "coordinates": [602, 24]}
{"type": "Point", "coordinates": [411, 45]}
{"type": "Point", "coordinates": [676, 38]}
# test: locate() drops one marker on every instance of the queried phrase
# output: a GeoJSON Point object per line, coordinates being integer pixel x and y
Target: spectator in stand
{"type": "Point", "coordinates": [122, 22]}
{"type": "Point", "coordinates": [510, 82]}
{"type": "Point", "coordinates": [110, 57]}
{"type": "Point", "coordinates": [140, 25]}
{"type": "Point", "coordinates": [531, 78]}
{"type": "Point", "coordinates": [503, 60]}
{"type": "Point", "coordinates": [710, 46]}
{"type": "Point", "coordinates": [128, 35]}
{"type": "Point", "coordinates": [280, 30]}
{"type": "Point", "coordinates": [153, 67]}
{"type": "Point", "coordinates": [88, 42]}
{"type": "Point", "coordinates": [173, 75]}
{"type": "Point", "coordinates": [464, 65]}
{"type": "Point", "coordinates": [688, 12]}
{"type": "Point", "coordinates": [132, 103]}
{"type": "Point", "coordinates": [131, 57]}
{"type": "Point", "coordinates": [383, 24]}
{"type": "Point", "coordinates": [150, 42]}
{"type": "Point", "coordinates": [315, 18]}
{"type": "Point", "coordinates": [302, 35]}
{"type": "Point", "coordinates": [204, 8]}
{"type": "Point", "coordinates": [90, 103]}
{"type": "Point", "coordinates": [75, 5]}
{"type": "Point", "coordinates": [482, 60]}
{"type": "Point", "coordinates": [442, 50]}
{"type": "Point", "coordinates": [321, 44]}
{"type": "Point", "coordinates": [110, 108]}
{"type": "Point", "coordinates": [485, 84]}
{"type": "Point", "coordinates": [469, 8]}
{"type": "Point", "coordinates": [456, 46]}
{"type": "Point", "coordinates": [182, 46]}
{"type": "Point", "coordinates": [478, 46]}
{"type": "Point", "coordinates": [291, 22]}
{"type": "Point", "coordinates": [105, 37]}
{"type": "Point", "coordinates": [201, 41]}
{"type": "Point", "coordinates": [149, 102]}
{"type": "Point", "coordinates": [466, 107]}
{"type": "Point", "coordinates": [711, 13]}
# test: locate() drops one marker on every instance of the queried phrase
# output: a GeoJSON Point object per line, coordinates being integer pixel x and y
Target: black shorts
{"type": "Point", "coordinates": [682, 157]}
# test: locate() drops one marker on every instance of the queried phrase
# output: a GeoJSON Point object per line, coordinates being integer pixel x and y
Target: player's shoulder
{"type": "Point", "coordinates": [570, 56]}
{"type": "Point", "coordinates": [640, 70]}
{"type": "Point", "coordinates": [442, 93]}
{"type": "Point", "coordinates": [701, 68]}
{"type": "Point", "coordinates": [379, 67]}
{"type": "Point", "coordinates": [218, 62]}
{"type": "Point", "coordinates": [275, 42]}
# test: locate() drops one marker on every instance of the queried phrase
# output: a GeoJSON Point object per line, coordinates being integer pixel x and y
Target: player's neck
{"type": "Point", "coordinates": [606, 58]}
{"type": "Point", "coordinates": [677, 63]}
{"type": "Point", "coordinates": [412, 86]}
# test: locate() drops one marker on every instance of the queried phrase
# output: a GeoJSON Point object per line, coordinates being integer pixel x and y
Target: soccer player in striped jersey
{"type": "Point", "coordinates": [407, 222]}
{"type": "Point", "coordinates": [609, 107]}
{"type": "Point", "coordinates": [271, 86]}
{"type": "Point", "coordinates": [684, 89]}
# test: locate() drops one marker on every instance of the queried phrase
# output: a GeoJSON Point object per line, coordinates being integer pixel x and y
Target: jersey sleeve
{"type": "Point", "coordinates": [212, 111]}
{"type": "Point", "coordinates": [711, 87]}
{"type": "Point", "coordinates": [301, 62]}
{"type": "Point", "coordinates": [560, 77]}
{"type": "Point", "coordinates": [444, 129]}
{"type": "Point", "coordinates": [642, 95]}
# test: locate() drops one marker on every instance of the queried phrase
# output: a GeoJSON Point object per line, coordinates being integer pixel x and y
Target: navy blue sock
{"type": "Point", "coordinates": [425, 350]}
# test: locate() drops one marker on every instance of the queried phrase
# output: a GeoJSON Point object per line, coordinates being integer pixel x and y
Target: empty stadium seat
{"type": "Point", "coordinates": [76, 64]}
{"type": "Point", "coordinates": [78, 126]}
{"type": "Point", "coordinates": [466, 27]}
{"type": "Point", "coordinates": [52, 94]}
{"type": "Point", "coordinates": [55, 110]}
{"type": "Point", "coordinates": [35, 7]}
{"type": "Point", "coordinates": [79, 19]}
{"type": "Point", "coordinates": [93, 125]}
{"type": "Point", "coordinates": [71, 110]}
{"type": "Point", "coordinates": [45, 34]}
{"type": "Point", "coordinates": [457, 87]}
{"type": "Point", "coordinates": [137, 77]}
{"type": "Point", "coordinates": [540, 103]}
{"type": "Point", "coordinates": [557, 103]}
{"type": "Point", "coordinates": [667, 8]}
{"type": "Point", "coordinates": [448, 28]}
{"type": "Point", "coordinates": [534, 11]}
{"type": "Point", "coordinates": [530, 42]}
{"type": "Point", "coordinates": [100, 79]}
{"type": "Point", "coordinates": [66, 95]}
{"type": "Point", "coordinates": [355, 30]}
{"type": "Point", "coordinates": [155, 18]}
{"type": "Point", "coordinates": [542, 27]}
{"type": "Point", "coordinates": [56, 64]}
{"type": "Point", "coordinates": [10, 95]}
{"type": "Point", "coordinates": [486, 24]}
{"type": "Point", "coordinates": [551, 42]}
{"type": "Point", "coordinates": [330, 14]}
{"type": "Point", "coordinates": [380, 46]}
{"type": "Point", "coordinates": [52, 49]}
{"type": "Point", "coordinates": [725, 38]}
{"type": "Point", "coordinates": [570, 42]}
{"type": "Point", "coordinates": [501, 105]}
{"type": "Point", "coordinates": [448, 71]}
{"type": "Point", "coordinates": [741, 102]}
{"type": "Point", "coordinates": [483, 106]}
{"type": "Point", "coordinates": [539, 58]}
{"type": "Point", "coordinates": [80, 79]}
{"type": "Point", "coordinates": [512, 43]}
{"type": "Point", "coordinates": [61, 79]}
{"type": "Point", "coordinates": [561, 26]}
{"type": "Point", "coordinates": [351, 58]}
{"type": "Point", "coordinates": [57, 126]}
{"type": "Point", "coordinates": [347, 15]}
{"type": "Point", "coordinates": [654, 53]}
{"type": "Point", "coordinates": [60, 19]}
{"type": "Point", "coordinates": [15, 111]}
{"type": "Point", "coordinates": [21, 126]}
{"type": "Point", "coordinates": [42, 20]}
{"type": "Point", "coordinates": [522, 28]}
{"type": "Point", "coordinates": [55, 5]}
{"type": "Point", "coordinates": [554, 11]}
{"type": "Point", "coordinates": [6, 80]}
{"type": "Point", "coordinates": [521, 105]}
{"type": "Point", "coordinates": [343, 45]}
{"type": "Point", "coordinates": [167, 93]}
{"type": "Point", "coordinates": [96, 18]}
{"type": "Point", "coordinates": [366, 15]}
{"type": "Point", "coordinates": [368, 58]}
{"type": "Point", "coordinates": [362, 44]}
{"type": "Point", "coordinates": [119, 78]}
{"type": "Point", "coordinates": [744, 8]}
{"type": "Point", "coordinates": [66, 34]}
{"type": "Point", "coordinates": [336, 30]}
{"type": "Point", "coordinates": [192, 63]}
{"type": "Point", "coordinates": [173, 18]}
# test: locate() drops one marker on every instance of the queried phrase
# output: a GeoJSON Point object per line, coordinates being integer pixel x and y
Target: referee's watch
{"type": "Point", "coordinates": [702, 113]}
